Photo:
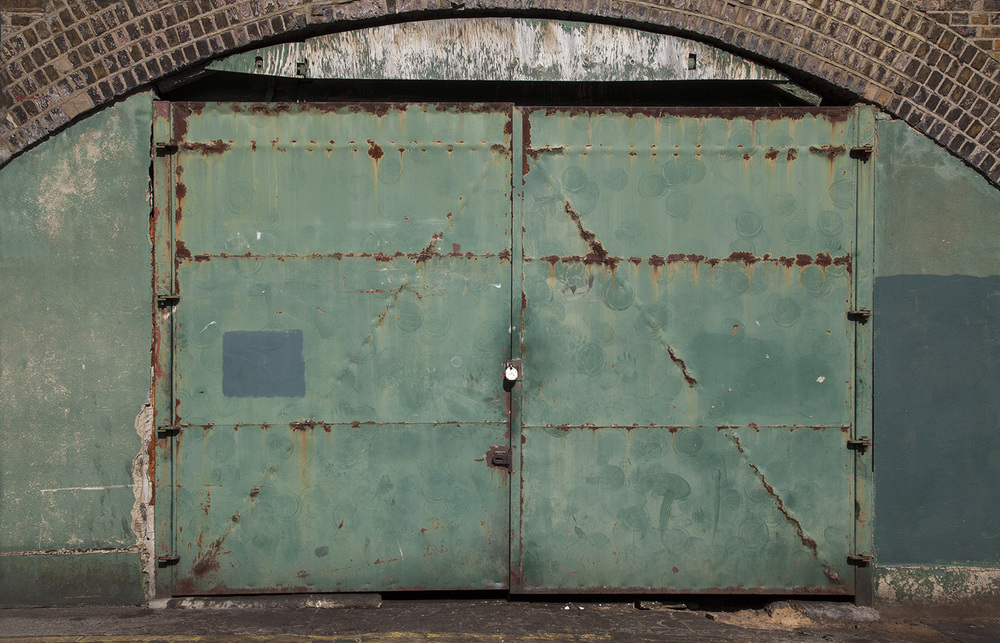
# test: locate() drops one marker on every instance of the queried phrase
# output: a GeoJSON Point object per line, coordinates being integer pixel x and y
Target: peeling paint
{"type": "Point", "coordinates": [143, 524]}
{"type": "Point", "coordinates": [935, 584]}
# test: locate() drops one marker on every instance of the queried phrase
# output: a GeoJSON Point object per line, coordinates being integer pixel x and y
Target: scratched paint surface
{"type": "Point", "coordinates": [371, 248]}
{"type": "Point", "coordinates": [688, 273]}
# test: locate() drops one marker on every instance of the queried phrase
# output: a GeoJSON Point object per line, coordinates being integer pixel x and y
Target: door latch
{"type": "Point", "coordinates": [500, 457]}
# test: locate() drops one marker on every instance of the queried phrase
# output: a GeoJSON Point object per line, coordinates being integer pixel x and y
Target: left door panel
{"type": "Point", "coordinates": [334, 288]}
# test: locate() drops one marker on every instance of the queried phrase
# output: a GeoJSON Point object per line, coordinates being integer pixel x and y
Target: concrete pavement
{"type": "Point", "coordinates": [367, 618]}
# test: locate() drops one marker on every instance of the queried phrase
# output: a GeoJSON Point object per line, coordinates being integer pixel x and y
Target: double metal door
{"type": "Point", "coordinates": [341, 287]}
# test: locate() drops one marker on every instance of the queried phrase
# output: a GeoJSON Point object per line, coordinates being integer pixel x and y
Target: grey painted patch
{"type": "Point", "coordinates": [937, 415]}
{"type": "Point", "coordinates": [263, 363]}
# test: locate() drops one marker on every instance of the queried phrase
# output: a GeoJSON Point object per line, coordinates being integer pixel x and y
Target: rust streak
{"type": "Point", "coordinates": [808, 542]}
{"type": "Point", "coordinates": [831, 151]}
{"type": "Point", "coordinates": [680, 363]}
{"type": "Point", "coordinates": [217, 146]}
{"type": "Point", "coordinates": [597, 252]}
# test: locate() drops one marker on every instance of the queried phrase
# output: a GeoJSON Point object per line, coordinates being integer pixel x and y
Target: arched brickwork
{"type": "Point", "coordinates": [82, 54]}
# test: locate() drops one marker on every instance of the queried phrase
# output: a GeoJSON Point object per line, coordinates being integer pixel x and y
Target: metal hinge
{"type": "Point", "coordinates": [163, 148]}
{"type": "Point", "coordinates": [859, 560]}
{"type": "Point", "coordinates": [861, 444]}
{"type": "Point", "coordinates": [167, 301]}
{"type": "Point", "coordinates": [167, 561]}
{"type": "Point", "coordinates": [168, 431]}
{"type": "Point", "coordinates": [859, 315]}
{"type": "Point", "coordinates": [862, 152]}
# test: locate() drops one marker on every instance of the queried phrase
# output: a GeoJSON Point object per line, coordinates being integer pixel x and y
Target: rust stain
{"type": "Point", "coordinates": [375, 150]}
{"type": "Point", "coordinates": [526, 148]}
{"type": "Point", "coordinates": [792, 154]}
{"type": "Point", "coordinates": [597, 252]}
{"type": "Point", "coordinates": [771, 154]}
{"type": "Point", "coordinates": [181, 251]}
{"type": "Point", "coordinates": [217, 146]}
{"type": "Point", "coordinates": [808, 542]}
{"type": "Point", "coordinates": [822, 259]}
{"type": "Point", "coordinates": [431, 249]}
{"type": "Point", "coordinates": [831, 151]}
{"type": "Point", "coordinates": [207, 561]}
{"type": "Point", "coordinates": [680, 364]}
{"type": "Point", "coordinates": [456, 249]}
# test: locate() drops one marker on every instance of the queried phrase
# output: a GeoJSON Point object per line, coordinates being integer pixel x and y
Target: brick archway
{"type": "Point", "coordinates": [83, 54]}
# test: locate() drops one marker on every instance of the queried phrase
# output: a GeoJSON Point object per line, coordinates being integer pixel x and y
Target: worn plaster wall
{"type": "Point", "coordinates": [937, 373]}
{"type": "Point", "coordinates": [74, 362]}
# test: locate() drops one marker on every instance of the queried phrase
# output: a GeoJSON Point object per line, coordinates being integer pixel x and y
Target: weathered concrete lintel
{"type": "Point", "coordinates": [498, 49]}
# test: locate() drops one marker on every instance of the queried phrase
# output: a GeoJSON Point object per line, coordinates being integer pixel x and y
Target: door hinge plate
{"type": "Point", "coordinates": [167, 301]}
{"type": "Point", "coordinates": [167, 561]}
{"type": "Point", "coordinates": [163, 148]}
{"type": "Point", "coordinates": [859, 560]}
{"type": "Point", "coordinates": [861, 444]}
{"type": "Point", "coordinates": [168, 431]}
{"type": "Point", "coordinates": [861, 315]}
{"type": "Point", "coordinates": [862, 152]}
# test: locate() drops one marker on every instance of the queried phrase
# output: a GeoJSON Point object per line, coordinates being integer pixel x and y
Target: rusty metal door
{"type": "Point", "coordinates": [333, 285]}
{"type": "Point", "coordinates": [688, 405]}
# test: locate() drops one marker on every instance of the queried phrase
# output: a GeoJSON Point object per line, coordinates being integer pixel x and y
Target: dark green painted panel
{"type": "Point", "coordinates": [88, 579]}
{"type": "Point", "coordinates": [74, 347]}
{"type": "Point", "coordinates": [382, 340]}
{"type": "Point", "coordinates": [694, 510]}
{"type": "Point", "coordinates": [937, 450]}
{"type": "Point", "coordinates": [686, 345]}
{"type": "Point", "coordinates": [689, 181]}
{"type": "Point", "coordinates": [688, 270]}
{"type": "Point", "coordinates": [344, 316]}
{"type": "Point", "coordinates": [371, 508]}
{"type": "Point", "coordinates": [336, 179]}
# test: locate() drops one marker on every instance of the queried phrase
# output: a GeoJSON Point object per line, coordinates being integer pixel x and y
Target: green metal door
{"type": "Point", "coordinates": [689, 361]}
{"type": "Point", "coordinates": [334, 310]}
{"type": "Point", "coordinates": [339, 293]}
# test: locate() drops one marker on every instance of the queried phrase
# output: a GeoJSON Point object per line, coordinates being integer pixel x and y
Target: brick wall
{"type": "Point", "coordinates": [977, 20]}
{"type": "Point", "coordinates": [64, 58]}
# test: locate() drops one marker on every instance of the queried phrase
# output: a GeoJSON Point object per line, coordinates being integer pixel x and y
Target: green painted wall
{"type": "Point", "coordinates": [75, 331]}
{"type": "Point", "coordinates": [937, 356]}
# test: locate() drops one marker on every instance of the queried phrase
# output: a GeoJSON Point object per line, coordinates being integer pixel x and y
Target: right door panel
{"type": "Point", "coordinates": [688, 361]}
